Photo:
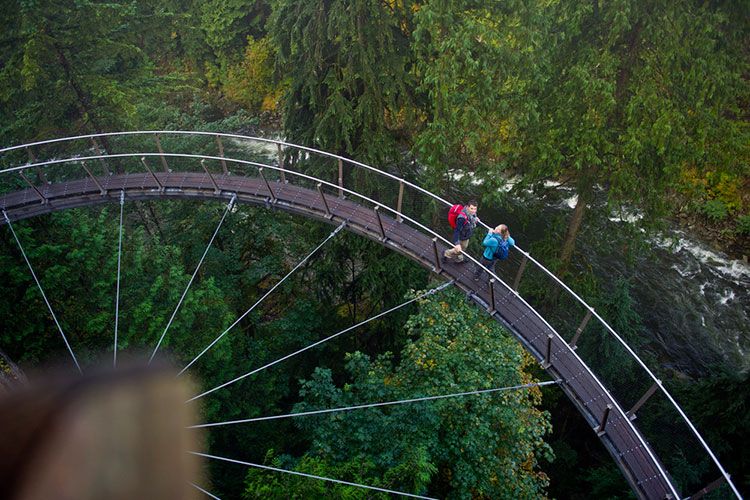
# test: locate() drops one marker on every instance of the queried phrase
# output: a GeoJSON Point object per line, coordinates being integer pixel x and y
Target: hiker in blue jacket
{"type": "Point", "coordinates": [497, 245]}
{"type": "Point", "coordinates": [466, 221]}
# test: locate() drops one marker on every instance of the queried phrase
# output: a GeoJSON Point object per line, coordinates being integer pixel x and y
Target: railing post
{"type": "Point", "coordinates": [492, 309]}
{"type": "Point", "coordinates": [36, 190]}
{"type": "Point", "coordinates": [273, 196]}
{"type": "Point", "coordinates": [632, 413]}
{"type": "Point", "coordinates": [213, 181]}
{"type": "Point", "coordinates": [341, 178]}
{"type": "Point", "coordinates": [600, 430]}
{"type": "Point", "coordinates": [400, 202]}
{"type": "Point", "coordinates": [102, 191]}
{"type": "Point", "coordinates": [156, 179]}
{"type": "Point", "coordinates": [221, 153]}
{"type": "Point", "coordinates": [380, 223]}
{"type": "Point", "coordinates": [329, 215]}
{"type": "Point", "coordinates": [438, 267]}
{"type": "Point", "coordinates": [574, 341]}
{"type": "Point", "coordinates": [548, 354]}
{"type": "Point", "coordinates": [708, 488]}
{"type": "Point", "coordinates": [161, 154]}
{"type": "Point", "coordinates": [521, 268]}
{"type": "Point", "coordinates": [280, 155]}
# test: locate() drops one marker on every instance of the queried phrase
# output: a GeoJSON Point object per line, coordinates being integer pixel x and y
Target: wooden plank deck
{"type": "Point", "coordinates": [621, 438]}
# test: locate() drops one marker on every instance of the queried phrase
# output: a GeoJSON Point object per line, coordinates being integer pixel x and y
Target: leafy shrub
{"type": "Point", "coordinates": [250, 83]}
{"type": "Point", "coordinates": [743, 225]}
{"type": "Point", "coordinates": [715, 210]}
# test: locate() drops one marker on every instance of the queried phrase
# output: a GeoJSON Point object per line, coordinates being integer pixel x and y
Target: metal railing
{"type": "Point", "coordinates": [411, 204]}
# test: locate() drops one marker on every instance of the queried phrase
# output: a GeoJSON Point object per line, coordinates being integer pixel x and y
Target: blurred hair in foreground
{"type": "Point", "coordinates": [115, 434]}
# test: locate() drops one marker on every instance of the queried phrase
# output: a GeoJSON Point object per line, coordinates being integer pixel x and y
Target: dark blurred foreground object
{"type": "Point", "coordinates": [115, 435]}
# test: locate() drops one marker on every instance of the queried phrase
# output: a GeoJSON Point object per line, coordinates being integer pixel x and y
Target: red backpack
{"type": "Point", "coordinates": [453, 214]}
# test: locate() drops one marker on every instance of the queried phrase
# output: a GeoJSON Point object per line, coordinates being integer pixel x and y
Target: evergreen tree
{"type": "Point", "coordinates": [348, 68]}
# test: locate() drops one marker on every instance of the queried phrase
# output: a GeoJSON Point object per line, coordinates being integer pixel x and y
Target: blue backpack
{"type": "Point", "coordinates": [502, 250]}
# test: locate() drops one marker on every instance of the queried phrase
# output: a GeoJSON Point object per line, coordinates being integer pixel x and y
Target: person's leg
{"type": "Point", "coordinates": [459, 256]}
{"type": "Point", "coordinates": [452, 253]}
{"type": "Point", "coordinates": [478, 270]}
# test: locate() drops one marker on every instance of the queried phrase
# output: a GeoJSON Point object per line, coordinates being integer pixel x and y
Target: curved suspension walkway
{"type": "Point", "coordinates": [390, 210]}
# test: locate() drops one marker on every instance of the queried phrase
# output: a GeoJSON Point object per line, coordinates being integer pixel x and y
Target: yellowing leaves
{"type": "Point", "coordinates": [250, 83]}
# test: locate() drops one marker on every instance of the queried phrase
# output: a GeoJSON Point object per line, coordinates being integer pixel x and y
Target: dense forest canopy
{"type": "Point", "coordinates": [637, 104]}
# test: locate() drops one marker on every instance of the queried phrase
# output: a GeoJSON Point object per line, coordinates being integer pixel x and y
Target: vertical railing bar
{"type": "Point", "coordinates": [581, 327]}
{"type": "Point", "coordinates": [280, 154]}
{"type": "Point", "coordinates": [161, 154]}
{"type": "Point", "coordinates": [156, 179]}
{"type": "Point", "coordinates": [341, 179]}
{"type": "Point", "coordinates": [102, 191]}
{"type": "Point", "coordinates": [213, 181]}
{"type": "Point", "coordinates": [380, 223]}
{"type": "Point", "coordinates": [268, 186]}
{"type": "Point", "coordinates": [521, 268]}
{"type": "Point", "coordinates": [650, 392]}
{"type": "Point", "coordinates": [492, 297]}
{"type": "Point", "coordinates": [36, 190]}
{"type": "Point", "coordinates": [548, 354]}
{"type": "Point", "coordinates": [438, 266]}
{"type": "Point", "coordinates": [325, 202]}
{"type": "Point", "coordinates": [601, 429]}
{"type": "Point", "coordinates": [400, 202]}
{"type": "Point", "coordinates": [221, 153]}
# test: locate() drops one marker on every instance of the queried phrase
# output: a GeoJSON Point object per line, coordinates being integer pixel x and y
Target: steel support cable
{"type": "Point", "coordinates": [195, 273]}
{"type": "Point", "coordinates": [44, 296]}
{"type": "Point", "coordinates": [117, 293]}
{"type": "Point", "coordinates": [326, 339]}
{"type": "Point", "coordinates": [445, 202]}
{"type": "Point", "coordinates": [203, 491]}
{"type": "Point", "coordinates": [260, 300]}
{"type": "Point", "coordinates": [311, 476]}
{"type": "Point", "coordinates": [375, 405]}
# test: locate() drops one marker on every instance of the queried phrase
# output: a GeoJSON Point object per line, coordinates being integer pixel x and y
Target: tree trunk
{"type": "Point", "coordinates": [85, 109]}
{"type": "Point", "coordinates": [574, 226]}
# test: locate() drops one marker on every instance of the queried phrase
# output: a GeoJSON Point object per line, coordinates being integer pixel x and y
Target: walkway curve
{"type": "Point", "coordinates": [515, 313]}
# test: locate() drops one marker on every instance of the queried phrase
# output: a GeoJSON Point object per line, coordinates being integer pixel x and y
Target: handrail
{"type": "Point", "coordinates": [400, 180]}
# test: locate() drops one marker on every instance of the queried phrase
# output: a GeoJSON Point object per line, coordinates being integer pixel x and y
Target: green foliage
{"type": "Point", "coordinates": [80, 280]}
{"type": "Point", "coordinates": [605, 482]}
{"type": "Point", "coordinates": [347, 64]}
{"type": "Point", "coordinates": [474, 62]}
{"type": "Point", "coordinates": [636, 98]}
{"type": "Point", "coordinates": [226, 24]}
{"type": "Point", "coordinates": [71, 67]}
{"type": "Point", "coordinates": [715, 210]}
{"type": "Point", "coordinates": [477, 445]}
{"type": "Point", "coordinates": [251, 82]}
{"type": "Point", "coordinates": [262, 485]}
{"type": "Point", "coordinates": [743, 225]}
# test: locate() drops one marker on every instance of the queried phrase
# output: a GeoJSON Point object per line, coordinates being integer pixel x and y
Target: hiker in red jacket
{"type": "Point", "coordinates": [466, 221]}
